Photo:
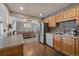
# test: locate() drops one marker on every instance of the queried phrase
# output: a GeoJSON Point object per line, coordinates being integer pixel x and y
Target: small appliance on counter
{"type": "Point", "coordinates": [60, 33]}
{"type": "Point", "coordinates": [74, 32]}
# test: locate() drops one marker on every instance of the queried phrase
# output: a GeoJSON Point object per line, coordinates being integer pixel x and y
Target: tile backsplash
{"type": "Point", "coordinates": [65, 27]}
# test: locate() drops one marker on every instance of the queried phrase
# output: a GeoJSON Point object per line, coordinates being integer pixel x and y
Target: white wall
{"type": "Point", "coordinates": [21, 28]}
{"type": "Point", "coordinates": [5, 17]}
{"type": "Point", "coordinates": [20, 20]}
{"type": "Point", "coordinates": [22, 16]}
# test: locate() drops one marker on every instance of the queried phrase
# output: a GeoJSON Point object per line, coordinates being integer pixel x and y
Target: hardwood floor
{"type": "Point", "coordinates": [37, 49]}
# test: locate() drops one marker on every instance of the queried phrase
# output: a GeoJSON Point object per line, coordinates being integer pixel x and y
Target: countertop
{"type": "Point", "coordinates": [67, 35]}
{"type": "Point", "coordinates": [9, 41]}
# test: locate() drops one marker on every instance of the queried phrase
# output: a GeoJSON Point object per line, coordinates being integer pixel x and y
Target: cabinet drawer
{"type": "Point", "coordinates": [59, 17]}
{"type": "Point", "coordinates": [70, 13]}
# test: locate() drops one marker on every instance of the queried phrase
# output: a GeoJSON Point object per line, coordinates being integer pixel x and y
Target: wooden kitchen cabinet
{"type": "Point", "coordinates": [59, 17]}
{"type": "Point", "coordinates": [68, 45]}
{"type": "Point", "coordinates": [66, 16]}
{"type": "Point", "coordinates": [77, 16]}
{"type": "Point", "coordinates": [12, 51]}
{"type": "Point", "coordinates": [57, 42]}
{"type": "Point", "coordinates": [52, 21]}
{"type": "Point", "coordinates": [45, 20]}
{"type": "Point", "coordinates": [71, 13]}
{"type": "Point", "coordinates": [77, 47]}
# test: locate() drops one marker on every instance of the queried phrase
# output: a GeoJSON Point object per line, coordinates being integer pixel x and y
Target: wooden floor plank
{"type": "Point", "coordinates": [37, 49]}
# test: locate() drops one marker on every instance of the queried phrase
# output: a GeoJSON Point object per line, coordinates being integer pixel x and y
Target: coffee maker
{"type": "Point", "coordinates": [74, 32]}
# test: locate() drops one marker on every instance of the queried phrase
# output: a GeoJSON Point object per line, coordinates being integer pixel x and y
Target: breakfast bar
{"type": "Point", "coordinates": [11, 45]}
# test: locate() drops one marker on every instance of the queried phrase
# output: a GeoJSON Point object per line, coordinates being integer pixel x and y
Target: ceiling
{"type": "Point", "coordinates": [34, 9]}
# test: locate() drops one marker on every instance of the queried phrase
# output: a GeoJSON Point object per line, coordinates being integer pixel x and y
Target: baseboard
{"type": "Point", "coordinates": [54, 48]}
{"type": "Point", "coordinates": [60, 52]}
{"type": "Point", "coordinates": [42, 43]}
{"type": "Point", "coordinates": [49, 46]}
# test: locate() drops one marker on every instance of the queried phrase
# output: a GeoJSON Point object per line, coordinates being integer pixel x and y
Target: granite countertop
{"type": "Point", "coordinates": [67, 35]}
{"type": "Point", "coordinates": [76, 37]}
{"type": "Point", "coordinates": [9, 41]}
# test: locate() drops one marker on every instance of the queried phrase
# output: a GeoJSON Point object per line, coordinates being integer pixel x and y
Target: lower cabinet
{"type": "Point", "coordinates": [68, 45]}
{"type": "Point", "coordinates": [57, 42]}
{"type": "Point", "coordinates": [12, 51]}
{"type": "Point", "coordinates": [77, 47]}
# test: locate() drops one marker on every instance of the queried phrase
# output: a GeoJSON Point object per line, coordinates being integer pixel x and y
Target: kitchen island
{"type": "Point", "coordinates": [11, 45]}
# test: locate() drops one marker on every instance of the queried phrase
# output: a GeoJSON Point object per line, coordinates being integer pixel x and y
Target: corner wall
{"type": "Point", "coordinates": [6, 17]}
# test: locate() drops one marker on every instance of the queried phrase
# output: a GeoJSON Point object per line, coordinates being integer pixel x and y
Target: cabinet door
{"type": "Point", "coordinates": [68, 46]}
{"type": "Point", "coordinates": [45, 20]}
{"type": "Point", "coordinates": [57, 42]}
{"type": "Point", "coordinates": [77, 16]}
{"type": "Point", "coordinates": [70, 13]}
{"type": "Point", "coordinates": [12, 51]}
{"type": "Point", "coordinates": [77, 47]}
{"type": "Point", "coordinates": [52, 22]}
{"type": "Point", "coordinates": [59, 17]}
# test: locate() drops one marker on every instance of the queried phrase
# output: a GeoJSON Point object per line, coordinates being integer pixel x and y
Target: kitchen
{"type": "Point", "coordinates": [63, 31]}
{"type": "Point", "coordinates": [57, 30]}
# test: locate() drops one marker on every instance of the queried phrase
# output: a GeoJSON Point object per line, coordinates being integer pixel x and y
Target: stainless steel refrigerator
{"type": "Point", "coordinates": [43, 30]}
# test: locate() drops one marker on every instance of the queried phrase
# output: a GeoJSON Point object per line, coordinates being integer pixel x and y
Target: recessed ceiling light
{"type": "Point", "coordinates": [21, 8]}
{"type": "Point", "coordinates": [41, 14]}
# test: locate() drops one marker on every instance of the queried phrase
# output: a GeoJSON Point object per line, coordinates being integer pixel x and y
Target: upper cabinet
{"type": "Point", "coordinates": [45, 20]}
{"type": "Point", "coordinates": [77, 15]}
{"type": "Point", "coordinates": [59, 17]}
{"type": "Point", "coordinates": [68, 15]}
{"type": "Point", "coordinates": [71, 13]}
{"type": "Point", "coordinates": [52, 21]}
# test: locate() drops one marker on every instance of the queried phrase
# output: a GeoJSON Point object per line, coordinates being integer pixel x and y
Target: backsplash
{"type": "Point", "coordinates": [65, 27]}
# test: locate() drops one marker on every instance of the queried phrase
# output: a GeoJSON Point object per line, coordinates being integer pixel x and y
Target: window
{"type": "Point", "coordinates": [27, 25]}
{"type": "Point", "coordinates": [24, 25]}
